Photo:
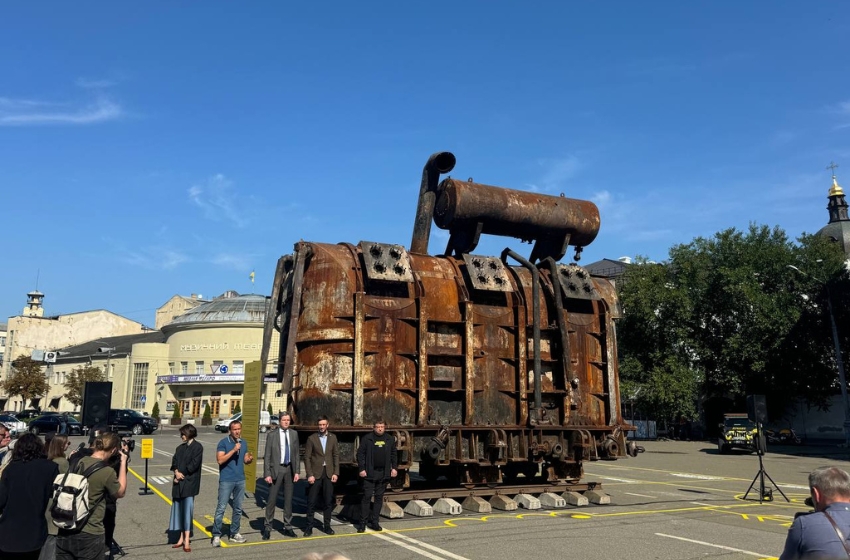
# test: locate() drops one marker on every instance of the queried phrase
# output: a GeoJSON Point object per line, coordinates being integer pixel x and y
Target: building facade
{"type": "Point", "coordinates": [197, 360]}
{"type": "Point", "coordinates": [176, 306]}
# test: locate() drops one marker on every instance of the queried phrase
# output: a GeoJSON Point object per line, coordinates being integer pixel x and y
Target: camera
{"type": "Point", "coordinates": [130, 443]}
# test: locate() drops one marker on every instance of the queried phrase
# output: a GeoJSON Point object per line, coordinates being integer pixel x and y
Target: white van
{"type": "Point", "coordinates": [224, 425]}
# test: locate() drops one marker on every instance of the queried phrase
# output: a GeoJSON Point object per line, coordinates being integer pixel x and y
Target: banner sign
{"type": "Point", "coordinates": [232, 378]}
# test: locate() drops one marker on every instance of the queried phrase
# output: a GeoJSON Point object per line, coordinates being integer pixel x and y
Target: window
{"type": "Point", "coordinates": [184, 367]}
{"type": "Point", "coordinates": [2, 341]}
{"type": "Point", "coordinates": [196, 393]}
{"type": "Point", "coordinates": [140, 384]}
{"type": "Point", "coordinates": [170, 368]}
{"type": "Point", "coordinates": [199, 368]}
{"type": "Point", "coordinates": [235, 393]}
{"type": "Point", "coordinates": [238, 366]}
{"type": "Point", "coordinates": [181, 394]}
{"type": "Point", "coordinates": [215, 394]}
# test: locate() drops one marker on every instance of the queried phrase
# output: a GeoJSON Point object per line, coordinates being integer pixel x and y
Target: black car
{"type": "Point", "coordinates": [49, 424]}
{"type": "Point", "coordinates": [125, 419]}
{"type": "Point", "coordinates": [27, 414]}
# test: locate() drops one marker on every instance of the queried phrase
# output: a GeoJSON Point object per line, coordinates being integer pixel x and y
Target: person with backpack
{"type": "Point", "coordinates": [25, 489]}
{"type": "Point", "coordinates": [186, 466]}
{"type": "Point", "coordinates": [82, 534]}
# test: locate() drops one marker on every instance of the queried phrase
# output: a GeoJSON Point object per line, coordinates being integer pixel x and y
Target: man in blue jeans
{"type": "Point", "coordinates": [231, 453]}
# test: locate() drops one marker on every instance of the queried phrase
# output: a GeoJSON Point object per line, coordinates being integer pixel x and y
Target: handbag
{"type": "Point", "coordinates": [839, 533]}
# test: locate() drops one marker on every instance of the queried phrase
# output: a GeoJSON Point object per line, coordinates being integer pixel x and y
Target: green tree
{"type": "Point", "coordinates": [176, 413]}
{"type": "Point", "coordinates": [155, 411]}
{"type": "Point", "coordinates": [77, 379]}
{"type": "Point", "coordinates": [726, 316]}
{"type": "Point", "coordinates": [25, 379]}
{"type": "Point", "coordinates": [207, 413]}
{"type": "Point", "coordinates": [237, 409]}
{"type": "Point", "coordinates": [270, 409]}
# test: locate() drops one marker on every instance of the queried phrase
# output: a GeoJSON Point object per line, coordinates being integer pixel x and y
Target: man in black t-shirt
{"type": "Point", "coordinates": [377, 463]}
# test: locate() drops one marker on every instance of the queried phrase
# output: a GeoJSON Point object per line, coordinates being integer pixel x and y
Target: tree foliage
{"type": "Point", "coordinates": [155, 411]}
{"type": "Point", "coordinates": [25, 379]}
{"type": "Point", "coordinates": [727, 316]}
{"type": "Point", "coordinates": [77, 379]}
{"type": "Point", "coordinates": [237, 409]}
{"type": "Point", "coordinates": [207, 412]}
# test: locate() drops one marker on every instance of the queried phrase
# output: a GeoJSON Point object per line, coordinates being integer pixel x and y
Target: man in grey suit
{"type": "Point", "coordinates": [282, 463]}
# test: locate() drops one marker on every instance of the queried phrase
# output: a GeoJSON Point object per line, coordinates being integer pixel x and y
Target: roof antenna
{"type": "Point", "coordinates": [37, 275]}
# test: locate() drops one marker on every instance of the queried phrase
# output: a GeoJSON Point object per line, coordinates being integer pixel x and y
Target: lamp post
{"type": "Point", "coordinates": [108, 351]}
{"type": "Point", "coordinates": [842, 380]}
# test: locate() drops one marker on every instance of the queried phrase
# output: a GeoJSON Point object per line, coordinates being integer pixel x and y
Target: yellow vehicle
{"type": "Point", "coordinates": [738, 432]}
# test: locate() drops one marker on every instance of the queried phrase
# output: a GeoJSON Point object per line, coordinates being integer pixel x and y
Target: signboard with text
{"type": "Point", "coordinates": [147, 449]}
{"type": "Point", "coordinates": [231, 378]}
{"type": "Point", "coordinates": [251, 419]}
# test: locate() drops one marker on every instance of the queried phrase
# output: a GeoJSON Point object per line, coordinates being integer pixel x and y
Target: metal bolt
{"type": "Point", "coordinates": [375, 251]}
{"type": "Point", "coordinates": [483, 279]}
{"type": "Point", "coordinates": [379, 267]}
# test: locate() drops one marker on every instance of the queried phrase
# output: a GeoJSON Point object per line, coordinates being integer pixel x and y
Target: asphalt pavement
{"type": "Point", "coordinates": [678, 500]}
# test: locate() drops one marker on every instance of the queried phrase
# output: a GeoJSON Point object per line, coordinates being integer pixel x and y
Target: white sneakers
{"type": "Point", "coordinates": [237, 538]}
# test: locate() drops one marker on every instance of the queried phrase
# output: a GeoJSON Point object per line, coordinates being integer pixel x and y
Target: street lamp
{"type": "Point", "coordinates": [108, 351]}
{"type": "Point", "coordinates": [838, 359]}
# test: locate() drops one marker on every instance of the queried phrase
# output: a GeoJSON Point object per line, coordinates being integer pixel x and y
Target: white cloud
{"type": "Point", "coordinates": [26, 112]}
{"type": "Point", "coordinates": [219, 201]}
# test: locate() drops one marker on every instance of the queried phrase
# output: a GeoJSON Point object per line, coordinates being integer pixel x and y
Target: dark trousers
{"type": "Point", "coordinates": [324, 488]}
{"type": "Point", "coordinates": [80, 546]}
{"type": "Point", "coordinates": [372, 488]}
{"type": "Point", "coordinates": [109, 521]}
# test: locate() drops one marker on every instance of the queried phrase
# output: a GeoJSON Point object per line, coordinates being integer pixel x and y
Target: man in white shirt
{"type": "Point", "coordinates": [282, 463]}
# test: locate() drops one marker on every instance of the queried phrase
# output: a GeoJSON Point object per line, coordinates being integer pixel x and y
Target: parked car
{"type": "Point", "coordinates": [49, 424]}
{"type": "Point", "coordinates": [224, 425]}
{"type": "Point", "coordinates": [13, 424]}
{"type": "Point", "coordinates": [129, 420]}
{"type": "Point", "coordinates": [28, 414]}
{"type": "Point", "coordinates": [266, 421]}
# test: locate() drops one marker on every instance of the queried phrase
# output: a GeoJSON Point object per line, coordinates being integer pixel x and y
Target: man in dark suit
{"type": "Point", "coordinates": [321, 460]}
{"type": "Point", "coordinates": [282, 465]}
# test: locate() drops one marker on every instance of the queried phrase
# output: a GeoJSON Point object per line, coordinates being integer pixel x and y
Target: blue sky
{"type": "Point", "coordinates": [155, 148]}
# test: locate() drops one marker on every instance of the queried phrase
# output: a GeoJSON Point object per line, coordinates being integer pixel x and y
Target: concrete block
{"type": "Point", "coordinates": [503, 503]}
{"type": "Point", "coordinates": [447, 506]}
{"type": "Point", "coordinates": [476, 504]}
{"type": "Point", "coordinates": [392, 510]}
{"type": "Point", "coordinates": [597, 497]}
{"type": "Point", "coordinates": [550, 500]}
{"type": "Point", "coordinates": [527, 501]}
{"type": "Point", "coordinates": [419, 508]}
{"type": "Point", "coordinates": [574, 499]}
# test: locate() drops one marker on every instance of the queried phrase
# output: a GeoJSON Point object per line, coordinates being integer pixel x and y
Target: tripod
{"type": "Point", "coordinates": [764, 494]}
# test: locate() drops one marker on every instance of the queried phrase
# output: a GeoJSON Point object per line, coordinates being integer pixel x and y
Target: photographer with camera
{"type": "Point", "coordinates": [823, 532]}
{"type": "Point", "coordinates": [88, 542]}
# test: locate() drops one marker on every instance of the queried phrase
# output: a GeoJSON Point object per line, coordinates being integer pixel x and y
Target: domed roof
{"type": "Point", "coordinates": [229, 307]}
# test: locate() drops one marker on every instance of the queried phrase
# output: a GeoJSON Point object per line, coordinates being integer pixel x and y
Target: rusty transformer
{"type": "Point", "coordinates": [488, 370]}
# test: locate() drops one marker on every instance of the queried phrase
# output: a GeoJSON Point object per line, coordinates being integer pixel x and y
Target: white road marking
{"type": "Point", "coordinates": [411, 548]}
{"type": "Point", "coordinates": [697, 476]}
{"type": "Point", "coordinates": [639, 495]}
{"type": "Point", "coordinates": [431, 547]}
{"type": "Point", "coordinates": [794, 486]}
{"type": "Point", "coordinates": [612, 478]}
{"type": "Point", "coordinates": [720, 546]}
{"type": "Point", "coordinates": [702, 504]}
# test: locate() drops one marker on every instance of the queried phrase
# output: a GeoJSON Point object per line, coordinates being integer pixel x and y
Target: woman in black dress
{"type": "Point", "coordinates": [186, 466]}
{"type": "Point", "coordinates": [25, 488]}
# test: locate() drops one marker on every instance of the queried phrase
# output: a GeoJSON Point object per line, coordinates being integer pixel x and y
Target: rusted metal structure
{"type": "Point", "coordinates": [489, 370]}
